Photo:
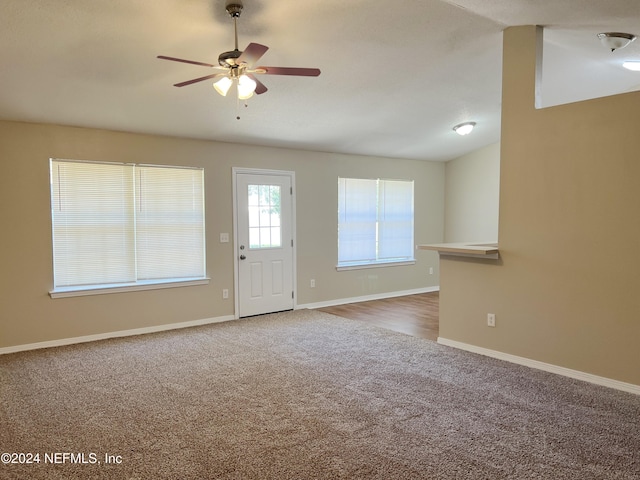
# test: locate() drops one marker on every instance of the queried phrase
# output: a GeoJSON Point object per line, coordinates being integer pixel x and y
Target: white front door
{"type": "Point", "coordinates": [264, 242]}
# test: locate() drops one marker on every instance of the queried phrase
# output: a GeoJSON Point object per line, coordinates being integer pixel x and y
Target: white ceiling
{"type": "Point", "coordinates": [396, 74]}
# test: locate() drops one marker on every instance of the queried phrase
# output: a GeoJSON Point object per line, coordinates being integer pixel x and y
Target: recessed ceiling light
{"type": "Point", "coordinates": [634, 66]}
{"type": "Point", "coordinates": [464, 128]}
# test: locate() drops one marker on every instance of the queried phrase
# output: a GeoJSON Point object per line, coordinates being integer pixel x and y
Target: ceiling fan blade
{"type": "Point", "coordinates": [302, 72]}
{"type": "Point", "coordinates": [185, 61]}
{"type": "Point", "coordinates": [252, 54]}
{"type": "Point", "coordinates": [260, 87]}
{"type": "Point", "coordinates": [201, 79]}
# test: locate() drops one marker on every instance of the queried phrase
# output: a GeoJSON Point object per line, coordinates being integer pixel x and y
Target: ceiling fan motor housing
{"type": "Point", "coordinates": [228, 59]}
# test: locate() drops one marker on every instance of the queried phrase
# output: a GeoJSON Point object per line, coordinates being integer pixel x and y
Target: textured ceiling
{"type": "Point", "coordinates": [396, 74]}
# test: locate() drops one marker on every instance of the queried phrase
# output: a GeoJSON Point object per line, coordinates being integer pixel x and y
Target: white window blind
{"type": "Point", "coordinates": [375, 221]}
{"type": "Point", "coordinates": [395, 219]}
{"type": "Point", "coordinates": [170, 223]}
{"type": "Point", "coordinates": [125, 224]}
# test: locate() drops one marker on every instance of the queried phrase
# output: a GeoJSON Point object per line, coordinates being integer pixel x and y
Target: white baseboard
{"type": "Point", "coordinates": [547, 367]}
{"type": "Point", "coordinates": [365, 298]}
{"type": "Point", "coordinates": [121, 333]}
{"type": "Point", "coordinates": [195, 323]}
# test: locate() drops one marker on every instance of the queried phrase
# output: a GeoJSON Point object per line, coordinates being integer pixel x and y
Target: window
{"type": "Point", "coordinates": [125, 225]}
{"type": "Point", "coordinates": [264, 216]}
{"type": "Point", "coordinates": [375, 222]}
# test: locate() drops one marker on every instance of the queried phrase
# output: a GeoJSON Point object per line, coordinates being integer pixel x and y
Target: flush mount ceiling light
{"type": "Point", "coordinates": [464, 128]}
{"type": "Point", "coordinates": [615, 40]}
{"type": "Point", "coordinates": [633, 66]}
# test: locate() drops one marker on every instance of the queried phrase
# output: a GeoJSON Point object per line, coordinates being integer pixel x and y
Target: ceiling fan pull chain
{"type": "Point", "coordinates": [246, 105]}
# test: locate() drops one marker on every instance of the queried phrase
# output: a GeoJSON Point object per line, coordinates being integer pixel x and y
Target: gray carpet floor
{"type": "Point", "coordinates": [303, 395]}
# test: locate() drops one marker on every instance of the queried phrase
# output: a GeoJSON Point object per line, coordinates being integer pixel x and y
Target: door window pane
{"type": "Point", "coordinates": [264, 216]}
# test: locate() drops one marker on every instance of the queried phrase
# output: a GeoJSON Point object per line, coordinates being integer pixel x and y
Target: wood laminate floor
{"type": "Point", "coordinates": [415, 315]}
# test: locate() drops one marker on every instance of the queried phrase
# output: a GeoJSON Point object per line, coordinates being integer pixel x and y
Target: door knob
{"type": "Point", "coordinates": [242, 257]}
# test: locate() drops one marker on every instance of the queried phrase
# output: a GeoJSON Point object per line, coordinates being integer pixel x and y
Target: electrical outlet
{"type": "Point", "coordinates": [491, 319]}
{"type": "Point", "coordinates": [430, 270]}
{"type": "Point", "coordinates": [225, 293]}
{"type": "Point", "coordinates": [312, 283]}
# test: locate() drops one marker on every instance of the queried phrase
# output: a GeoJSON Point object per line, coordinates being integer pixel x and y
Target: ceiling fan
{"type": "Point", "coordinates": [237, 65]}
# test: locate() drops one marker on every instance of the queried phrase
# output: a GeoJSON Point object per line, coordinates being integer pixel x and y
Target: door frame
{"type": "Point", "coordinates": [235, 171]}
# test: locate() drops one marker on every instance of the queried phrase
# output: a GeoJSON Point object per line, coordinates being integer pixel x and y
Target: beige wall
{"type": "Point", "coordinates": [29, 315]}
{"type": "Point", "coordinates": [472, 190]}
{"type": "Point", "coordinates": [565, 291]}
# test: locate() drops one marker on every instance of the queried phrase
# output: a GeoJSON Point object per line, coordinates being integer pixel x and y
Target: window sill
{"type": "Point", "coordinates": [359, 266]}
{"type": "Point", "coordinates": [64, 292]}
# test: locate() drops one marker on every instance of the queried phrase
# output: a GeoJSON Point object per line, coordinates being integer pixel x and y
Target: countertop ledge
{"type": "Point", "coordinates": [481, 250]}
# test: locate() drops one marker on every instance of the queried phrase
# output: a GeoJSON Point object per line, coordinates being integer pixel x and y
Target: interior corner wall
{"type": "Point", "coordinates": [472, 191]}
{"type": "Point", "coordinates": [27, 313]}
{"type": "Point", "coordinates": [565, 290]}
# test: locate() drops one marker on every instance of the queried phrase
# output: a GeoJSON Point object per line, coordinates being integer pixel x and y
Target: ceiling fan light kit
{"type": "Point", "coordinates": [246, 87]}
{"type": "Point", "coordinates": [223, 85]}
{"type": "Point", "coordinates": [237, 65]}
{"type": "Point", "coordinates": [616, 40]}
